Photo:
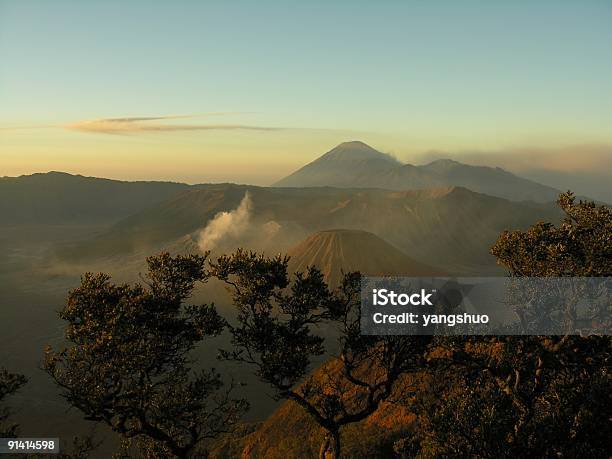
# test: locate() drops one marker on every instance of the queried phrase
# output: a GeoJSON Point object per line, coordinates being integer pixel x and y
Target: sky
{"type": "Point", "coordinates": [202, 91]}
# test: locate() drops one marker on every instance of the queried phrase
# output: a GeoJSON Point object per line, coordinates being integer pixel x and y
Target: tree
{"type": "Point", "coordinates": [538, 396]}
{"type": "Point", "coordinates": [280, 332]}
{"type": "Point", "coordinates": [580, 246]}
{"type": "Point", "coordinates": [9, 384]}
{"type": "Point", "coordinates": [128, 363]}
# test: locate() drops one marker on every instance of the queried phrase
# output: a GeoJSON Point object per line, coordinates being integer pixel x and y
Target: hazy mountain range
{"type": "Point", "coordinates": [357, 165]}
{"type": "Point", "coordinates": [443, 215]}
{"type": "Point", "coordinates": [448, 228]}
{"type": "Point", "coordinates": [57, 197]}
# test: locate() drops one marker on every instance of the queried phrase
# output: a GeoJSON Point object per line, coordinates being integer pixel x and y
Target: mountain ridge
{"type": "Point", "coordinates": [357, 165]}
{"type": "Point", "coordinates": [59, 197]}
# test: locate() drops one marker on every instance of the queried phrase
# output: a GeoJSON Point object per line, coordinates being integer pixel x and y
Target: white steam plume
{"type": "Point", "coordinates": [226, 225]}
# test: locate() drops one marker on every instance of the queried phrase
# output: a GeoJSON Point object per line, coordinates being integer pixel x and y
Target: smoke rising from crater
{"type": "Point", "coordinates": [227, 225]}
{"type": "Point", "coordinates": [241, 227]}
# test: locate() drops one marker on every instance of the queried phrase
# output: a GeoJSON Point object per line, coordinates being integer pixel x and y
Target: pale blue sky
{"type": "Point", "coordinates": [408, 76]}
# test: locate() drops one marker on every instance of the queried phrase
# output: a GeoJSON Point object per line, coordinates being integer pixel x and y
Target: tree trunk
{"type": "Point", "coordinates": [324, 447]}
{"type": "Point", "coordinates": [336, 444]}
{"type": "Point", "coordinates": [330, 448]}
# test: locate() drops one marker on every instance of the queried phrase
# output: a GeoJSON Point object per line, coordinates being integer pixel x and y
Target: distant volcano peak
{"type": "Point", "coordinates": [349, 160]}
{"type": "Point", "coordinates": [354, 145]}
{"type": "Point", "coordinates": [356, 149]}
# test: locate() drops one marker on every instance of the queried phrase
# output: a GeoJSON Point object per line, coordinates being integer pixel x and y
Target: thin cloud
{"type": "Point", "coordinates": [129, 125]}
{"type": "Point", "coordinates": [143, 118]}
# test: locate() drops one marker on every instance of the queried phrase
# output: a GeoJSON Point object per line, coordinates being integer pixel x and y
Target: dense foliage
{"type": "Point", "coordinates": [580, 246]}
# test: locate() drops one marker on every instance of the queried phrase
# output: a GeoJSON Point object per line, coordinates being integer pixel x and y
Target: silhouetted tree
{"type": "Point", "coordinates": [580, 246]}
{"type": "Point", "coordinates": [279, 332]}
{"type": "Point", "coordinates": [128, 363]}
{"type": "Point", "coordinates": [527, 396]}
{"type": "Point", "coordinates": [9, 384]}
